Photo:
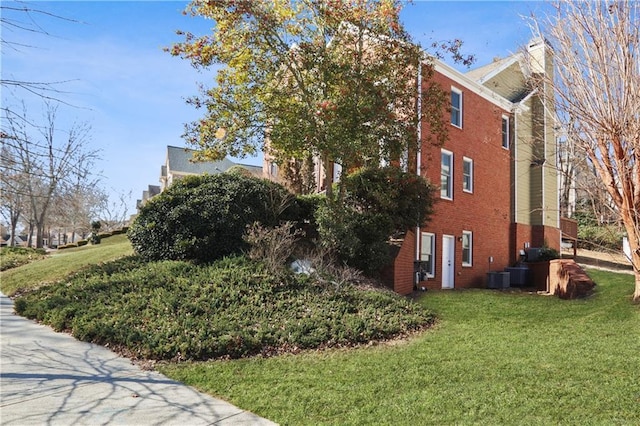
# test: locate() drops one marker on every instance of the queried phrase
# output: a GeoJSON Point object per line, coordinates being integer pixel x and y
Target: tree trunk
{"type": "Point", "coordinates": [635, 260]}
{"type": "Point", "coordinates": [630, 224]}
{"type": "Point", "coordinates": [12, 241]}
{"type": "Point", "coordinates": [39, 235]}
{"type": "Point", "coordinates": [30, 240]}
{"type": "Point", "coordinates": [328, 177]}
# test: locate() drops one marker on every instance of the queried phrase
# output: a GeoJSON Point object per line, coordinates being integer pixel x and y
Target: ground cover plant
{"type": "Point", "coordinates": [231, 308]}
{"type": "Point", "coordinates": [60, 264]}
{"type": "Point", "coordinates": [12, 257]}
{"type": "Point", "coordinates": [494, 358]}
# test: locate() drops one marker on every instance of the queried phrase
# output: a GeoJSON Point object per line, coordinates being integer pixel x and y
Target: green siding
{"type": "Point", "coordinates": [509, 83]}
{"type": "Point", "coordinates": [534, 175]}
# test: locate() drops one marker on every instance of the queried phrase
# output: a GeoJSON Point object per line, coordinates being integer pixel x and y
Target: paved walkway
{"type": "Point", "coordinates": [49, 378]}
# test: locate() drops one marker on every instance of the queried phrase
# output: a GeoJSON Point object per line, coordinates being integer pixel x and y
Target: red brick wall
{"type": "Point", "coordinates": [552, 236]}
{"type": "Point", "coordinates": [535, 236]}
{"type": "Point", "coordinates": [403, 275]}
{"type": "Point", "coordinates": [487, 211]}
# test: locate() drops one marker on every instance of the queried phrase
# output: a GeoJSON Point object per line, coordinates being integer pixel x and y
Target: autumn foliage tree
{"type": "Point", "coordinates": [597, 94]}
{"type": "Point", "coordinates": [333, 79]}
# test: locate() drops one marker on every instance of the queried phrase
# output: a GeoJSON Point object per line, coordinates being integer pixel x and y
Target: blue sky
{"type": "Point", "coordinates": [132, 93]}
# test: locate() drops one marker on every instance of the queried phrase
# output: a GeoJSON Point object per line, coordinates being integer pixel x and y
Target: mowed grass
{"type": "Point", "coordinates": [494, 358]}
{"type": "Point", "coordinates": [62, 263]}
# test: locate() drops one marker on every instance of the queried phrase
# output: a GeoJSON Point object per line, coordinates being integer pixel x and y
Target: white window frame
{"type": "Point", "coordinates": [457, 108]}
{"type": "Point", "coordinates": [425, 237]}
{"type": "Point", "coordinates": [337, 172]}
{"type": "Point", "coordinates": [469, 161]}
{"type": "Point", "coordinates": [469, 240]}
{"type": "Point", "coordinates": [506, 136]}
{"type": "Point", "coordinates": [449, 194]}
{"type": "Point", "coordinates": [273, 169]}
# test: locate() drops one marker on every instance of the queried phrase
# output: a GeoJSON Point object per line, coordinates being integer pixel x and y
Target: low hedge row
{"type": "Point", "coordinates": [68, 245]}
{"type": "Point", "coordinates": [102, 235]}
{"type": "Point", "coordinates": [233, 308]}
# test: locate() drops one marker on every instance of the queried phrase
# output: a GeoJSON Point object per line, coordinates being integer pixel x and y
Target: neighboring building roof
{"type": "Point", "coordinates": [254, 170]}
{"type": "Point", "coordinates": [180, 160]}
{"type": "Point", "coordinates": [154, 190]}
{"type": "Point", "coordinates": [19, 239]}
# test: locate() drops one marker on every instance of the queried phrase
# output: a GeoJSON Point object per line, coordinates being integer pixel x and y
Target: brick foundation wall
{"type": "Point", "coordinates": [535, 236]}
{"type": "Point", "coordinates": [403, 275]}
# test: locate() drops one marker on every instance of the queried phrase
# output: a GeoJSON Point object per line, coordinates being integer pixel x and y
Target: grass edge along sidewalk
{"type": "Point", "coordinates": [60, 263]}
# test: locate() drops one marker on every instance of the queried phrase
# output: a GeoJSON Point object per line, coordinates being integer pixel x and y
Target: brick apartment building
{"type": "Point", "coordinates": [497, 176]}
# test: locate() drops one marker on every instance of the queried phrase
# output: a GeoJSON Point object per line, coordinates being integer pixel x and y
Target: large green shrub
{"type": "Point", "coordinates": [203, 218]}
{"type": "Point", "coordinates": [405, 199]}
{"type": "Point", "coordinates": [378, 203]}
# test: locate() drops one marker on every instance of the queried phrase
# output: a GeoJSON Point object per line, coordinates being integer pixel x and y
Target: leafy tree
{"type": "Point", "coordinates": [596, 93]}
{"type": "Point", "coordinates": [333, 79]}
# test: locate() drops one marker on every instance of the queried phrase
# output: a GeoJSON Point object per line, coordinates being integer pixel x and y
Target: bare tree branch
{"type": "Point", "coordinates": [597, 94]}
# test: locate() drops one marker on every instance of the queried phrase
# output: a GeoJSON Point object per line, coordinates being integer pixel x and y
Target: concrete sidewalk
{"type": "Point", "coordinates": [51, 378]}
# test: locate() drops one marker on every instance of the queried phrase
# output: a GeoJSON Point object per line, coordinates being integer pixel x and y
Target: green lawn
{"type": "Point", "coordinates": [62, 263]}
{"type": "Point", "coordinates": [494, 358]}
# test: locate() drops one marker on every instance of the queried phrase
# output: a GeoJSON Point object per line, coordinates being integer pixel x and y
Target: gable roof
{"type": "Point", "coordinates": [472, 85]}
{"type": "Point", "coordinates": [508, 77]}
{"type": "Point", "coordinates": [488, 71]}
{"type": "Point", "coordinates": [154, 190]}
{"type": "Point", "coordinates": [180, 160]}
{"type": "Point", "coordinates": [254, 170]}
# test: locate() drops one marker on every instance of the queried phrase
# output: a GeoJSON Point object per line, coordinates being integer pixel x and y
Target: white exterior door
{"type": "Point", "coordinates": [448, 260]}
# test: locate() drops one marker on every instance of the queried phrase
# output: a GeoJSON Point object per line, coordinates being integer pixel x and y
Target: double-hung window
{"type": "Point", "coordinates": [446, 175]}
{"type": "Point", "coordinates": [427, 253]}
{"type": "Point", "coordinates": [456, 107]}
{"type": "Point", "coordinates": [467, 248]}
{"type": "Point", "coordinates": [505, 131]}
{"type": "Point", "coordinates": [467, 174]}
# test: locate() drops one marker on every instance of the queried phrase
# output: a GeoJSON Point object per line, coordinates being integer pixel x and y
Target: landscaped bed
{"type": "Point", "coordinates": [175, 310]}
{"type": "Point", "coordinates": [12, 257]}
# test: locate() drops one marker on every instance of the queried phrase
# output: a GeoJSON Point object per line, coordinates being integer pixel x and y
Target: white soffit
{"type": "Point", "coordinates": [469, 84]}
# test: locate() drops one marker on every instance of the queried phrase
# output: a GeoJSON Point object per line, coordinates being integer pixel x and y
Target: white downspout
{"type": "Point", "coordinates": [515, 165]}
{"type": "Point", "coordinates": [418, 152]}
